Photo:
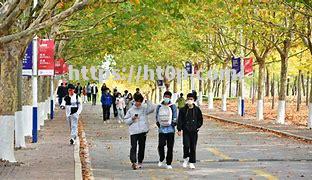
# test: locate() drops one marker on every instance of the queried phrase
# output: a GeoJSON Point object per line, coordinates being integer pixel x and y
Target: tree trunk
{"type": "Point", "coordinates": [209, 87]}
{"type": "Point", "coordinates": [253, 89]}
{"type": "Point", "coordinates": [260, 97]}
{"type": "Point", "coordinates": [273, 92]}
{"type": "Point", "coordinates": [10, 57]}
{"type": "Point", "coordinates": [267, 83]}
{"type": "Point", "coordinates": [302, 83]}
{"type": "Point", "coordinates": [299, 91]}
{"type": "Point", "coordinates": [282, 90]}
{"type": "Point", "coordinates": [237, 89]}
{"type": "Point", "coordinates": [230, 88]}
{"type": "Point", "coordinates": [310, 108]}
{"type": "Point", "coordinates": [287, 91]}
{"type": "Point", "coordinates": [308, 84]}
{"type": "Point", "coordinates": [223, 106]}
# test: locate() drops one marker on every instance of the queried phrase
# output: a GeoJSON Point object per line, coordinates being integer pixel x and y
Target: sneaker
{"type": "Point", "coordinates": [72, 141]}
{"type": "Point", "coordinates": [185, 162]}
{"type": "Point", "coordinates": [192, 166]}
{"type": "Point", "coordinates": [169, 167]}
{"type": "Point", "coordinates": [140, 165]}
{"type": "Point", "coordinates": [160, 164]}
{"type": "Point", "coordinates": [119, 122]}
{"type": "Point", "coordinates": [134, 166]}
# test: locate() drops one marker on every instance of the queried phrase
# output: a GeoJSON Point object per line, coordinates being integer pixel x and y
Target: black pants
{"type": "Point", "coordinates": [189, 145]}
{"type": "Point", "coordinates": [89, 97]}
{"type": "Point", "coordinates": [93, 99]}
{"type": "Point", "coordinates": [60, 99]}
{"type": "Point", "coordinates": [106, 112]}
{"type": "Point", "coordinates": [115, 109]}
{"type": "Point", "coordinates": [163, 140]}
{"type": "Point", "coordinates": [135, 140]}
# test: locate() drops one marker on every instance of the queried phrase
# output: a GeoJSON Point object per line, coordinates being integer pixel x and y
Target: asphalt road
{"type": "Point", "coordinates": [223, 152]}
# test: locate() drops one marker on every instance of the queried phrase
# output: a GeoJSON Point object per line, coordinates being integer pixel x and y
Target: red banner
{"type": "Point", "coordinates": [58, 66]}
{"type": "Point", "coordinates": [248, 66]}
{"type": "Point", "coordinates": [46, 57]}
{"type": "Point", "coordinates": [65, 68]}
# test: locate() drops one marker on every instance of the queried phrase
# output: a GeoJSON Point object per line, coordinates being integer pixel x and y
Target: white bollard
{"type": "Point", "coordinates": [19, 131]}
{"type": "Point", "coordinates": [40, 115]}
{"type": "Point", "coordinates": [7, 138]}
{"type": "Point", "coordinates": [27, 119]}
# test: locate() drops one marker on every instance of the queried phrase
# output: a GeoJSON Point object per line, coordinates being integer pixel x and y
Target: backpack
{"type": "Point", "coordinates": [165, 115]}
{"type": "Point", "coordinates": [181, 102]}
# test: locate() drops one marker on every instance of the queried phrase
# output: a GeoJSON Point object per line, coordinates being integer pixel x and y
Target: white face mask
{"type": "Point", "coordinates": [190, 102]}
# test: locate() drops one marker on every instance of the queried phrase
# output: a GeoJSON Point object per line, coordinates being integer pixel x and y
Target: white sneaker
{"type": "Point", "coordinates": [169, 167]}
{"type": "Point", "coordinates": [119, 122]}
{"type": "Point", "coordinates": [160, 164]}
{"type": "Point", "coordinates": [72, 141]}
{"type": "Point", "coordinates": [192, 166]}
{"type": "Point", "coordinates": [185, 162]}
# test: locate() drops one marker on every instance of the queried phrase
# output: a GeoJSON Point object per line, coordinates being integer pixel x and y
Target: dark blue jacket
{"type": "Point", "coordinates": [106, 99]}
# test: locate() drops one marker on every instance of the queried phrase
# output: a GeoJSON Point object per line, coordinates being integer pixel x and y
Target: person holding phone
{"type": "Point", "coordinates": [136, 118]}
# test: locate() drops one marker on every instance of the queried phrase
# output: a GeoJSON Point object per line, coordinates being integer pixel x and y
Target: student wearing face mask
{"type": "Point", "coordinates": [166, 116]}
{"type": "Point", "coordinates": [190, 119]}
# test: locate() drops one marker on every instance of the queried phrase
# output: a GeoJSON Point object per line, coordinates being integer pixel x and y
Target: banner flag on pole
{"type": "Point", "coordinates": [58, 66]}
{"type": "Point", "coordinates": [236, 64]}
{"type": "Point", "coordinates": [188, 67]}
{"type": "Point", "coordinates": [248, 66]}
{"type": "Point", "coordinates": [27, 61]}
{"type": "Point", "coordinates": [46, 57]}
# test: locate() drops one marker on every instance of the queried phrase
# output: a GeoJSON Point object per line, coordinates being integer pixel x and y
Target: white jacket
{"type": "Point", "coordinates": [73, 103]}
{"type": "Point", "coordinates": [142, 125]}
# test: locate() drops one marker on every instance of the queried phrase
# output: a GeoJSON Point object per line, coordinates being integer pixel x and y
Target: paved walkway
{"type": "Point", "coordinates": [51, 158]}
{"type": "Point", "coordinates": [301, 132]}
{"type": "Point", "coordinates": [224, 152]}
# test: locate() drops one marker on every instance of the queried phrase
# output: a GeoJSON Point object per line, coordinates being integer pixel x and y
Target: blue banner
{"type": "Point", "coordinates": [27, 61]}
{"type": "Point", "coordinates": [188, 67]}
{"type": "Point", "coordinates": [160, 83]}
{"type": "Point", "coordinates": [236, 63]}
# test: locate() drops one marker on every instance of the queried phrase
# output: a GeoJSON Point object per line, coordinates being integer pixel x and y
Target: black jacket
{"type": "Point", "coordinates": [187, 124]}
{"type": "Point", "coordinates": [61, 91]}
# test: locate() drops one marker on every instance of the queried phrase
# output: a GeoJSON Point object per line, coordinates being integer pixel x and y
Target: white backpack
{"type": "Point", "coordinates": [165, 115]}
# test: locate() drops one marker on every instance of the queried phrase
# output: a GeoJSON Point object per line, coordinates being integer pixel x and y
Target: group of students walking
{"type": "Point", "coordinates": [186, 119]}
{"type": "Point", "coordinates": [187, 122]}
{"type": "Point", "coordinates": [121, 103]}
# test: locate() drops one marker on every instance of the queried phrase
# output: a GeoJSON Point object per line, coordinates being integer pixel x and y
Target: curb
{"type": "Point", "coordinates": [274, 131]}
{"type": "Point", "coordinates": [78, 166]}
{"type": "Point", "coordinates": [87, 157]}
